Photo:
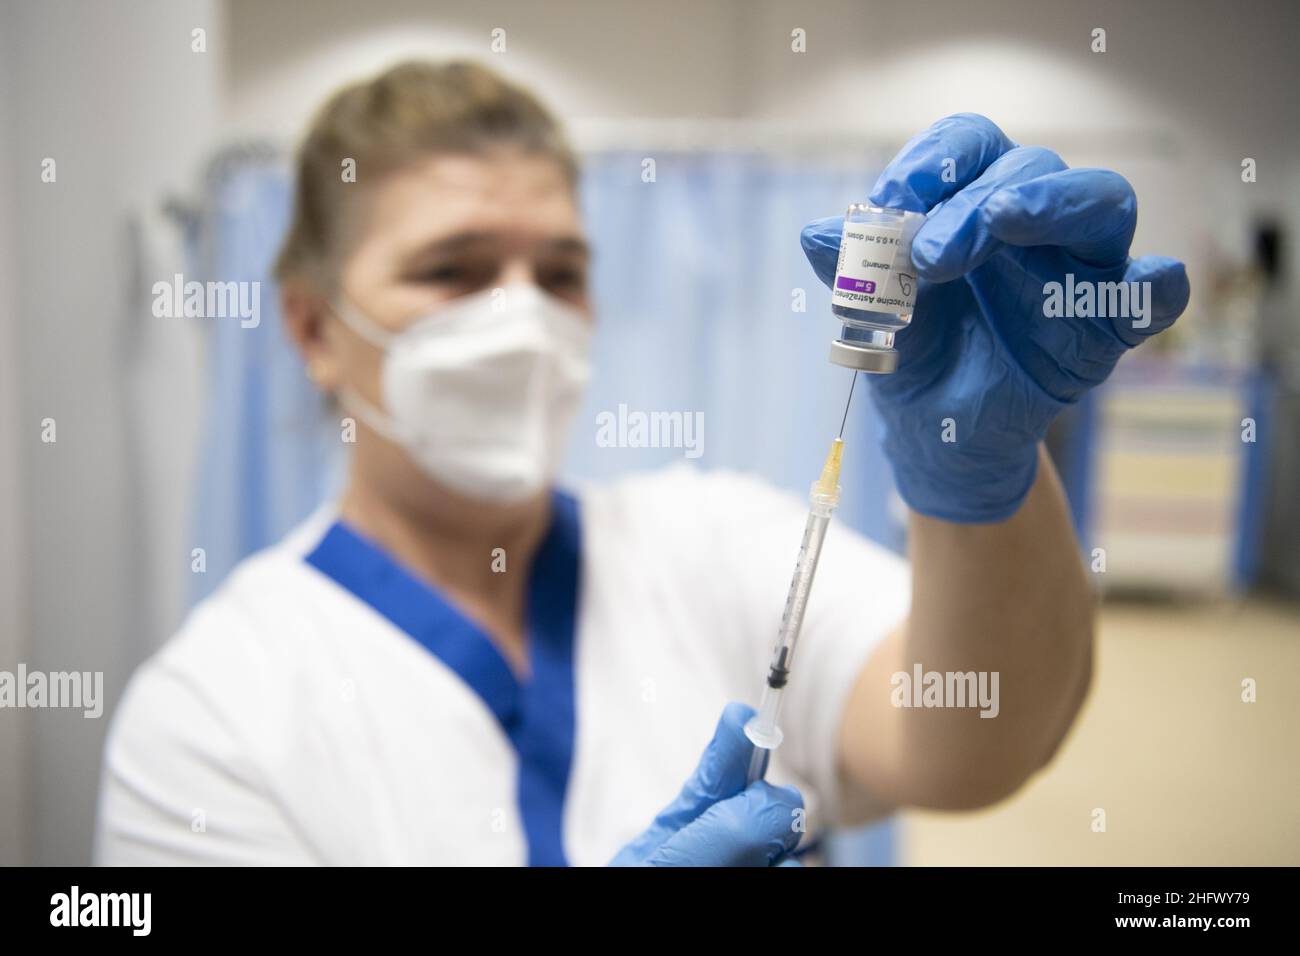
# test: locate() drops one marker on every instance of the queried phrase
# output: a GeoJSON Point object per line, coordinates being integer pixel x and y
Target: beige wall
{"type": "Point", "coordinates": [113, 93]}
{"type": "Point", "coordinates": [14, 730]}
{"type": "Point", "coordinates": [1183, 93]}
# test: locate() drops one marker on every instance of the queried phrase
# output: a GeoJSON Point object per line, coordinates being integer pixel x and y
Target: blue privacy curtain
{"type": "Point", "coordinates": [269, 453]}
{"type": "Point", "coordinates": [696, 277]}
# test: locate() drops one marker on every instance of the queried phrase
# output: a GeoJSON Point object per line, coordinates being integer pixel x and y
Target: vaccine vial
{"type": "Point", "coordinates": [875, 285]}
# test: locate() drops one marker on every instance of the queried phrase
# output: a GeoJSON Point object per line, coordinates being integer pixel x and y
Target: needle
{"type": "Point", "coordinates": [848, 403]}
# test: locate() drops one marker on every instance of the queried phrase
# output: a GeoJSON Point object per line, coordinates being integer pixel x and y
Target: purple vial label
{"type": "Point", "coordinates": [855, 285]}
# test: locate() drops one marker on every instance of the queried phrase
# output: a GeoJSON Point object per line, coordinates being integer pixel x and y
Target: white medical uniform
{"type": "Point", "coordinates": [326, 707]}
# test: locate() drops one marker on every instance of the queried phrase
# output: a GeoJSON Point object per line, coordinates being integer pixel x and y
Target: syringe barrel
{"type": "Point", "coordinates": [796, 602]}
{"type": "Point", "coordinates": [763, 729]}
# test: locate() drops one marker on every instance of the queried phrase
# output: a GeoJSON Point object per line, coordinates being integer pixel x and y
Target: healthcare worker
{"type": "Point", "coordinates": [458, 662]}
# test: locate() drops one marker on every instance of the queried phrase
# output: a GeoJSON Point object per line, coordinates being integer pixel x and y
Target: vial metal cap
{"type": "Point", "coordinates": [863, 359]}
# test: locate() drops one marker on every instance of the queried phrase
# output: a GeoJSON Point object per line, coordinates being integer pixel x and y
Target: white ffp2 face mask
{"type": "Point", "coordinates": [481, 392]}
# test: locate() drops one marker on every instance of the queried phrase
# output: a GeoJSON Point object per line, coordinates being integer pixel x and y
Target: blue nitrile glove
{"type": "Point", "coordinates": [981, 349]}
{"type": "Point", "coordinates": [716, 820]}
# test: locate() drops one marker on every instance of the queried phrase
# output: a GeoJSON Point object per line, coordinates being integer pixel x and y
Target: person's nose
{"type": "Point", "coordinates": [515, 271]}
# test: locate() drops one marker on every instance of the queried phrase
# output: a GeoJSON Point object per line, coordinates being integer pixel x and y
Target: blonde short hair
{"type": "Point", "coordinates": [409, 111]}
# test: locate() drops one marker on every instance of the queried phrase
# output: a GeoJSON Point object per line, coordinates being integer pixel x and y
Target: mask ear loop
{"type": "Point", "coordinates": [381, 339]}
{"type": "Point", "coordinates": [360, 323]}
{"type": "Point", "coordinates": [377, 421]}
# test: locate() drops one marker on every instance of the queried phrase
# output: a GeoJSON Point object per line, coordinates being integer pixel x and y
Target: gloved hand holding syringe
{"type": "Point", "coordinates": [874, 270]}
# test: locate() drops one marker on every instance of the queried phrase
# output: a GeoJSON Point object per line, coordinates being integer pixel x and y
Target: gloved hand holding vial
{"type": "Point", "coordinates": [989, 226]}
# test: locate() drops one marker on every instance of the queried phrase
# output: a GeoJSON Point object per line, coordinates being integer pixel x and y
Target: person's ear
{"type": "Point", "coordinates": [306, 315]}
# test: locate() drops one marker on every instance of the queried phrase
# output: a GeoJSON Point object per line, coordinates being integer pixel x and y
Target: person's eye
{"type": "Point", "coordinates": [564, 279]}
{"type": "Point", "coordinates": [444, 274]}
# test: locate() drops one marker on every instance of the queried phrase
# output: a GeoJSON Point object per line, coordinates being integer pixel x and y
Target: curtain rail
{"type": "Point", "coordinates": [725, 135]}
{"type": "Point", "coordinates": [700, 135]}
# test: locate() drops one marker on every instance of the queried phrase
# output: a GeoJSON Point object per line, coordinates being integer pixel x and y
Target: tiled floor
{"type": "Point", "coordinates": [1186, 772]}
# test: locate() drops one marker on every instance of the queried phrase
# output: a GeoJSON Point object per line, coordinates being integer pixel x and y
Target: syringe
{"type": "Point", "coordinates": [763, 729]}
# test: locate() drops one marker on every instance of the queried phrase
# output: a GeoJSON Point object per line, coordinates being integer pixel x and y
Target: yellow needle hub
{"type": "Point", "coordinates": [828, 483]}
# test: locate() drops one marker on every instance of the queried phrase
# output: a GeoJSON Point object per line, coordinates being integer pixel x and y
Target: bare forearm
{"type": "Point", "coordinates": [1008, 599]}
